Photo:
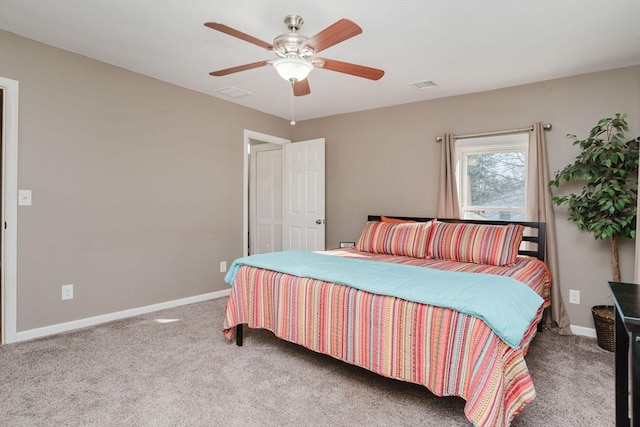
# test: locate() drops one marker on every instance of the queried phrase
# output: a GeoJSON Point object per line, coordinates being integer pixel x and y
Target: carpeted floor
{"type": "Point", "coordinates": [174, 368]}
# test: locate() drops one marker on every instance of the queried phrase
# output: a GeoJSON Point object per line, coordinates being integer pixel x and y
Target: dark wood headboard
{"type": "Point", "coordinates": [534, 232]}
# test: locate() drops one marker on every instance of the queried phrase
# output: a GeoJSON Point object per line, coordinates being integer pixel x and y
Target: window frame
{"type": "Point", "coordinates": [487, 145]}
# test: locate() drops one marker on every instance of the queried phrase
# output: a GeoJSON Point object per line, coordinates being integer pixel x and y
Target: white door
{"type": "Point", "coordinates": [265, 192]}
{"type": "Point", "coordinates": [304, 220]}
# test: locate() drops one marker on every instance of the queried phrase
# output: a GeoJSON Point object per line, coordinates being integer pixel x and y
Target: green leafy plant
{"type": "Point", "coordinates": [607, 166]}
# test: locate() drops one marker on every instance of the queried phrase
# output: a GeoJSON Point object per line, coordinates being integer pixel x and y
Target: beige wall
{"type": "Point", "coordinates": [137, 185]}
{"type": "Point", "coordinates": [385, 161]}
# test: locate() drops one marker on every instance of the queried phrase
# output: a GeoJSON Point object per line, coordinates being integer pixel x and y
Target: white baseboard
{"type": "Point", "coordinates": [581, 330]}
{"type": "Point", "coordinates": [103, 318]}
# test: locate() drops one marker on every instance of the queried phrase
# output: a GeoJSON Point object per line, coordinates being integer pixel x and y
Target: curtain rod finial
{"type": "Point", "coordinates": [438, 139]}
{"type": "Point", "coordinates": [547, 126]}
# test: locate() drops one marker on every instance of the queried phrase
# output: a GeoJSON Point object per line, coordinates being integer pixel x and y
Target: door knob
{"type": "Point", "coordinates": [318, 221]}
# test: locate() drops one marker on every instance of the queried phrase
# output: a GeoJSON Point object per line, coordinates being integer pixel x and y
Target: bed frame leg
{"type": "Point", "coordinates": [239, 335]}
{"type": "Point", "coordinates": [539, 327]}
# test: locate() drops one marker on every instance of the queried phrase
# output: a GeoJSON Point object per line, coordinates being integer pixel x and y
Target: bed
{"type": "Point", "coordinates": [472, 345]}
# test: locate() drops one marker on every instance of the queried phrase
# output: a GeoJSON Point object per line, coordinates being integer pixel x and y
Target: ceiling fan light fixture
{"type": "Point", "coordinates": [293, 69]}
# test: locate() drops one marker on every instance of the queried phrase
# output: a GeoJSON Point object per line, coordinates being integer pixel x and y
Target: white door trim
{"type": "Point", "coordinates": [248, 136]}
{"type": "Point", "coordinates": [9, 286]}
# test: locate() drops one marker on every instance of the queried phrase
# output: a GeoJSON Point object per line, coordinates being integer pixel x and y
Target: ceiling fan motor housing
{"type": "Point", "coordinates": [292, 44]}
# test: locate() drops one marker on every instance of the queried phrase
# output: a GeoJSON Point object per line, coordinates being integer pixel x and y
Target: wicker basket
{"type": "Point", "coordinates": [603, 317]}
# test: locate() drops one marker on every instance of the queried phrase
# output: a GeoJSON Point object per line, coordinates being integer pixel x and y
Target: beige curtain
{"type": "Point", "coordinates": [540, 208]}
{"type": "Point", "coordinates": [448, 206]}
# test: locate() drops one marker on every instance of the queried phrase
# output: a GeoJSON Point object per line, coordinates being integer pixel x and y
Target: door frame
{"type": "Point", "coordinates": [246, 140]}
{"type": "Point", "coordinates": [8, 285]}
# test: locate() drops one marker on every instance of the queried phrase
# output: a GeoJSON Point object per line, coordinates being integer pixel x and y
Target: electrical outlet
{"type": "Point", "coordinates": [574, 296]}
{"type": "Point", "coordinates": [67, 292]}
{"type": "Point", "coordinates": [223, 266]}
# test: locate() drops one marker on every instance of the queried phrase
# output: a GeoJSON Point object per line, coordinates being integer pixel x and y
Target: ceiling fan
{"type": "Point", "coordinates": [296, 52]}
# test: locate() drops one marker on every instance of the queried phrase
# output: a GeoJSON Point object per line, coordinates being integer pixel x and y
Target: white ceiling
{"type": "Point", "coordinates": [463, 46]}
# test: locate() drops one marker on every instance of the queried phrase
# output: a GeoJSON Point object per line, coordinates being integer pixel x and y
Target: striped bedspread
{"type": "Point", "coordinates": [451, 353]}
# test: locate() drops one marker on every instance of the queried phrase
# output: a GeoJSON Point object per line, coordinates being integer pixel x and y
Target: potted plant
{"type": "Point", "coordinates": [607, 167]}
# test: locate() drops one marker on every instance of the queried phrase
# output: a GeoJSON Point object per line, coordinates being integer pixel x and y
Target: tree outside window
{"type": "Point", "coordinates": [492, 177]}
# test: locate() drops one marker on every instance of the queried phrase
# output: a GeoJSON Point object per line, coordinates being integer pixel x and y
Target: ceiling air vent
{"type": "Point", "coordinates": [232, 92]}
{"type": "Point", "coordinates": [427, 84]}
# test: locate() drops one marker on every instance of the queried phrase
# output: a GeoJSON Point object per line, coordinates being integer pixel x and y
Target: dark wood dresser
{"type": "Point", "coordinates": [626, 297]}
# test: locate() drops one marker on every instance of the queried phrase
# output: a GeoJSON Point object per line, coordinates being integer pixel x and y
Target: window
{"type": "Point", "coordinates": [492, 177]}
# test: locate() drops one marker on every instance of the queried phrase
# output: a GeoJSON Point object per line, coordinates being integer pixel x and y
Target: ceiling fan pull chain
{"type": "Point", "coordinates": [292, 97]}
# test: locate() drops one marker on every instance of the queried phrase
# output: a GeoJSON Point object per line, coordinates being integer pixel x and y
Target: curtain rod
{"type": "Point", "coordinates": [546, 126]}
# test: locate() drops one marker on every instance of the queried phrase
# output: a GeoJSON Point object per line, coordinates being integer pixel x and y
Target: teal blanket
{"type": "Point", "coordinates": [507, 305]}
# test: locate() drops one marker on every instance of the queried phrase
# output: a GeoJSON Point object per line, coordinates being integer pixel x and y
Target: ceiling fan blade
{"type": "Point", "coordinates": [244, 67]}
{"type": "Point", "coordinates": [353, 69]}
{"type": "Point", "coordinates": [334, 34]}
{"type": "Point", "coordinates": [301, 88]}
{"type": "Point", "coordinates": [239, 34]}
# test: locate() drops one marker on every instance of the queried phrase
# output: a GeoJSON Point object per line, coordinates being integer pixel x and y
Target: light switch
{"type": "Point", "coordinates": [24, 197]}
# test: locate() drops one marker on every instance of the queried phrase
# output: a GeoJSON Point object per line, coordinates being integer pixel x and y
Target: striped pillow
{"type": "Point", "coordinates": [477, 243]}
{"type": "Point", "coordinates": [407, 239]}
